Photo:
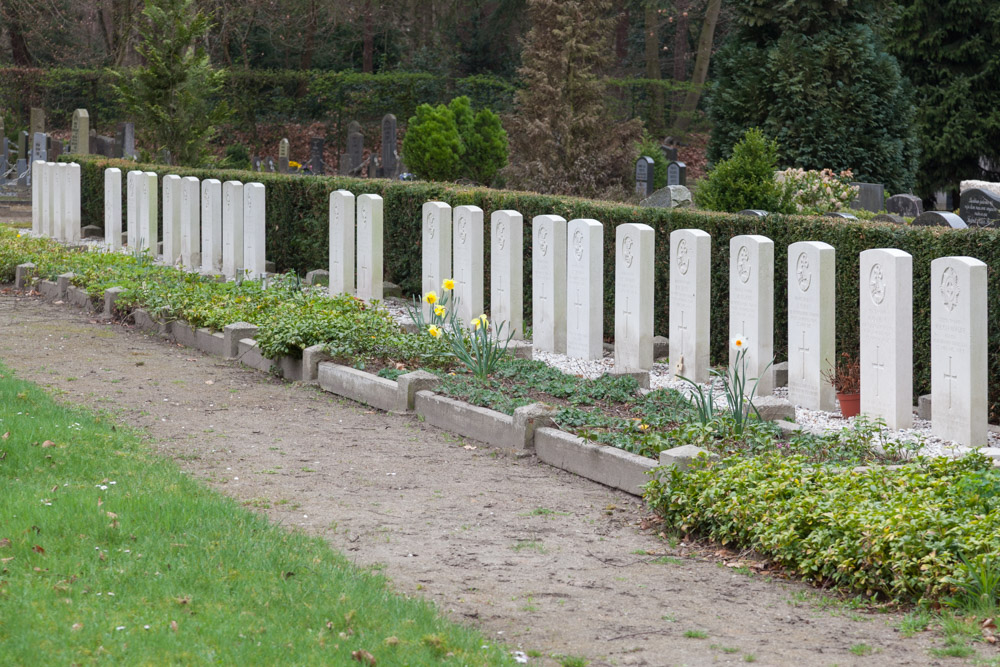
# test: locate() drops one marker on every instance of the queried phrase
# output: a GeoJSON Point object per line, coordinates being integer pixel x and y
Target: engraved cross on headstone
{"type": "Point", "coordinates": [628, 315]}
{"type": "Point", "coordinates": [949, 376]}
{"type": "Point", "coordinates": [803, 349]}
{"type": "Point", "coordinates": [683, 329]}
{"type": "Point", "coordinates": [878, 367]}
{"type": "Point", "coordinates": [579, 304]}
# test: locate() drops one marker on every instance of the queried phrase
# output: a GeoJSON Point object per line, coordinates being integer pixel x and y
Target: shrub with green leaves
{"type": "Point", "coordinates": [745, 180]}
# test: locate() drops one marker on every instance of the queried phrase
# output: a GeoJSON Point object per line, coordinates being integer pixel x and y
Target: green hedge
{"type": "Point", "coordinates": [297, 237]}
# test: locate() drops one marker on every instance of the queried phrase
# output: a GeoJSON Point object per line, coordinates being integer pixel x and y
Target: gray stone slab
{"type": "Point", "coordinates": [210, 342]}
{"type": "Point", "coordinates": [232, 334]}
{"type": "Point", "coordinates": [311, 358]}
{"type": "Point", "coordinates": [250, 355]}
{"type": "Point", "coordinates": [672, 196]}
{"type": "Point", "coordinates": [110, 297]}
{"type": "Point", "coordinates": [410, 383]}
{"type": "Point", "coordinates": [682, 457]}
{"type": "Point", "coordinates": [49, 289]}
{"type": "Point", "coordinates": [78, 297]}
{"type": "Point", "coordinates": [183, 333]}
{"type": "Point", "coordinates": [23, 275]}
{"type": "Point", "coordinates": [470, 421]}
{"type": "Point", "coordinates": [359, 386]}
{"type": "Point", "coordinates": [607, 465]}
{"type": "Point", "coordinates": [939, 219]}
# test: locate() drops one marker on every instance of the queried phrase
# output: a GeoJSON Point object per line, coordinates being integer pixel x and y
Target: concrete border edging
{"type": "Point", "coordinates": [482, 424]}
{"type": "Point", "coordinates": [359, 386]}
{"type": "Point", "coordinates": [601, 463]}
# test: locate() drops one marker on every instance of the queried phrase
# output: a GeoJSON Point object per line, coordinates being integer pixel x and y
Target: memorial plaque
{"type": "Point", "coordinates": [980, 208]}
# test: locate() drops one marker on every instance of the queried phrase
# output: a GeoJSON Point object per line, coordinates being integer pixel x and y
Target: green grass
{"type": "Point", "coordinates": [862, 649]}
{"type": "Point", "coordinates": [695, 634]}
{"type": "Point", "coordinates": [108, 553]}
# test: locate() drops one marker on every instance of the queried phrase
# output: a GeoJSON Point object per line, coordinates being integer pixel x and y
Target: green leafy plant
{"type": "Point", "coordinates": [745, 180]}
{"type": "Point", "coordinates": [815, 192]}
{"type": "Point", "coordinates": [734, 386]}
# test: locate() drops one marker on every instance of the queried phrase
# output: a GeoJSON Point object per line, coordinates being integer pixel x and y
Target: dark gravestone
{"type": "Point", "coordinates": [270, 165]}
{"type": "Point", "coordinates": [255, 163]}
{"type": "Point", "coordinates": [316, 145]}
{"type": "Point", "coordinates": [40, 148]}
{"type": "Point", "coordinates": [390, 161]}
{"type": "Point", "coordinates": [944, 200]}
{"type": "Point", "coordinates": [670, 152]}
{"type": "Point", "coordinates": [644, 176]}
{"type": "Point", "coordinates": [104, 146]}
{"type": "Point", "coordinates": [939, 219]}
{"type": "Point", "coordinates": [871, 197]}
{"type": "Point", "coordinates": [677, 173]}
{"type": "Point", "coordinates": [889, 217]}
{"type": "Point", "coordinates": [23, 144]}
{"type": "Point", "coordinates": [980, 208]}
{"type": "Point", "coordinates": [55, 150]}
{"type": "Point", "coordinates": [92, 143]}
{"type": "Point", "coordinates": [753, 212]}
{"type": "Point", "coordinates": [22, 171]}
{"type": "Point", "coordinates": [908, 206]}
{"type": "Point", "coordinates": [283, 156]}
{"type": "Point", "coordinates": [125, 141]}
{"type": "Point", "coordinates": [355, 149]}
{"type": "Point", "coordinates": [838, 214]}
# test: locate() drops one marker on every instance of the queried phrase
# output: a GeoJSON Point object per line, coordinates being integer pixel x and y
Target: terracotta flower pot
{"type": "Point", "coordinates": [850, 404]}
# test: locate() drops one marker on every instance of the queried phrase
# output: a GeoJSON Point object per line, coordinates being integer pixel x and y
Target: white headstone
{"type": "Point", "coordinates": [59, 201]}
{"type": "Point", "coordinates": [507, 273]}
{"type": "Point", "coordinates": [37, 179]}
{"type": "Point", "coordinates": [232, 229]}
{"type": "Point", "coordinates": [811, 324]}
{"type": "Point", "coordinates": [634, 297]}
{"type": "Point", "coordinates": [132, 188]}
{"type": "Point", "coordinates": [48, 200]}
{"type": "Point", "coordinates": [211, 226]}
{"type": "Point", "coordinates": [369, 247]}
{"type": "Point", "coordinates": [548, 283]}
{"type": "Point", "coordinates": [149, 209]}
{"type": "Point", "coordinates": [113, 208]}
{"type": "Point", "coordinates": [341, 242]}
{"type": "Point", "coordinates": [690, 303]}
{"type": "Point", "coordinates": [254, 230]}
{"type": "Point", "coordinates": [190, 223]}
{"type": "Point", "coordinates": [171, 219]}
{"type": "Point", "coordinates": [751, 307]}
{"type": "Point", "coordinates": [73, 212]}
{"type": "Point", "coordinates": [435, 250]}
{"type": "Point", "coordinates": [959, 363]}
{"type": "Point", "coordinates": [585, 289]}
{"type": "Point", "coordinates": [468, 262]}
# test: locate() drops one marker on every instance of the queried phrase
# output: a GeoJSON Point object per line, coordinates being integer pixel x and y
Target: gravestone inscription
{"type": "Point", "coordinates": [908, 206]}
{"type": "Point", "coordinates": [644, 176]}
{"type": "Point", "coordinates": [980, 208]}
{"type": "Point", "coordinates": [677, 173]}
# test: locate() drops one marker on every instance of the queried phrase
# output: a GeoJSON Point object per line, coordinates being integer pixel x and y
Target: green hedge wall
{"type": "Point", "coordinates": [297, 238]}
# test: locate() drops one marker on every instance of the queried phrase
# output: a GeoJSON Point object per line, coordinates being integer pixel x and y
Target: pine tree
{"type": "Point", "coordinates": [813, 75]}
{"type": "Point", "coordinates": [563, 137]}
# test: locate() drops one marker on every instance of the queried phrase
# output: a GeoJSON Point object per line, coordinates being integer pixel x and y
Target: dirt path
{"type": "Point", "coordinates": [534, 556]}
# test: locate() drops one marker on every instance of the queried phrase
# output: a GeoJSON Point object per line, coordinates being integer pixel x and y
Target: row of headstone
{"type": "Point", "coordinates": [55, 200]}
{"type": "Point", "coordinates": [676, 175]}
{"type": "Point", "coordinates": [384, 165]}
{"type": "Point", "coordinates": [356, 224]}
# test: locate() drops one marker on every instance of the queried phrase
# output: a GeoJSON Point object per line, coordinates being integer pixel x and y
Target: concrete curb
{"type": "Point", "coordinates": [601, 463]}
{"type": "Point", "coordinates": [359, 386]}
{"type": "Point", "coordinates": [482, 424]}
{"type": "Point", "coordinates": [249, 355]}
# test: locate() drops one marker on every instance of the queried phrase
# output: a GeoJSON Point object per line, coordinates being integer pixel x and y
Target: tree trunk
{"type": "Point", "coordinates": [368, 64]}
{"type": "Point", "coordinates": [19, 52]}
{"type": "Point", "coordinates": [651, 33]}
{"type": "Point", "coordinates": [700, 65]}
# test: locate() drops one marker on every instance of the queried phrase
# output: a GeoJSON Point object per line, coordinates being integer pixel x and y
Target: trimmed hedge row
{"type": "Point", "coordinates": [297, 238]}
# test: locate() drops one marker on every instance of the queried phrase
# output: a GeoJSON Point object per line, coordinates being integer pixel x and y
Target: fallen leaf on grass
{"type": "Point", "coordinates": [112, 515]}
{"type": "Point", "coordinates": [173, 625]}
{"type": "Point", "coordinates": [183, 600]}
{"type": "Point", "coordinates": [364, 656]}
{"type": "Point", "coordinates": [38, 550]}
{"type": "Point", "coordinates": [6, 560]}
{"type": "Point", "coordinates": [989, 623]}
{"type": "Point", "coordinates": [391, 641]}
{"type": "Point", "coordinates": [6, 435]}
{"type": "Point", "coordinates": [5, 542]}
{"type": "Point", "coordinates": [48, 443]}
{"type": "Point", "coordinates": [77, 627]}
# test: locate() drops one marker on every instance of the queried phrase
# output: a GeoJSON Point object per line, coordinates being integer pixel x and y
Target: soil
{"type": "Point", "coordinates": [535, 557]}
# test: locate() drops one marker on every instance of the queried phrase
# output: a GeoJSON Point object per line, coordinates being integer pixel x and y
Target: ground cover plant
{"type": "Point", "coordinates": [108, 552]}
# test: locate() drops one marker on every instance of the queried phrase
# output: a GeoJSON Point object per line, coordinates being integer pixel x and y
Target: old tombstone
{"type": "Point", "coordinates": [644, 176]}
{"type": "Point", "coordinates": [959, 363]}
{"type": "Point", "coordinates": [390, 162]}
{"type": "Point", "coordinates": [811, 325]}
{"type": "Point", "coordinates": [677, 173]}
{"type": "Point", "coordinates": [22, 172]}
{"type": "Point", "coordinates": [171, 218]}
{"type": "Point", "coordinates": [256, 163]}
{"type": "Point", "coordinates": [37, 123]}
{"type": "Point", "coordinates": [370, 247]}
{"type": "Point", "coordinates": [887, 336]}
{"type": "Point", "coordinates": [341, 242]}
{"type": "Point", "coordinates": [672, 196]}
{"type": "Point", "coordinates": [254, 230]}
{"type": "Point", "coordinates": [113, 208]}
{"type": "Point", "coordinates": [467, 259]}
{"type": "Point", "coordinates": [634, 297]}
{"type": "Point", "coordinates": [751, 308]}
{"type": "Point", "coordinates": [55, 149]}
{"type": "Point", "coordinates": [889, 217]}
{"type": "Point", "coordinates": [211, 226]}
{"type": "Point", "coordinates": [232, 230]}
{"type": "Point", "coordinates": [585, 289]}
{"type": "Point", "coordinates": [507, 273]}
{"type": "Point", "coordinates": [548, 283]}
{"type": "Point", "coordinates": [908, 206]}
{"type": "Point", "coordinates": [283, 156]}
{"type": "Point", "coordinates": [316, 145]}
{"type": "Point", "coordinates": [939, 219]}
{"type": "Point", "coordinates": [132, 189]}
{"type": "Point", "coordinates": [79, 142]}
{"type": "Point", "coordinates": [871, 197]}
{"type": "Point", "coordinates": [39, 148]}
{"type": "Point", "coordinates": [23, 145]}
{"type": "Point", "coordinates": [669, 152]}
{"type": "Point", "coordinates": [690, 303]}
{"type": "Point", "coordinates": [190, 223]}
{"type": "Point", "coordinates": [753, 213]}
{"type": "Point", "coordinates": [980, 208]}
{"type": "Point", "coordinates": [355, 149]}
{"type": "Point", "coordinates": [38, 167]}
{"type": "Point", "coordinates": [105, 146]}
{"type": "Point", "coordinates": [270, 165]}
{"type": "Point", "coordinates": [125, 141]}
{"type": "Point", "coordinates": [435, 250]}
{"type": "Point", "coordinates": [944, 200]}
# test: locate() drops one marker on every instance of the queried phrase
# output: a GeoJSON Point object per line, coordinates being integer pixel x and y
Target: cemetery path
{"type": "Point", "coordinates": [535, 556]}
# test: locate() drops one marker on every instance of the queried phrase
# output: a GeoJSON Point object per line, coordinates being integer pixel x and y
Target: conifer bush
{"type": "Point", "coordinates": [745, 180]}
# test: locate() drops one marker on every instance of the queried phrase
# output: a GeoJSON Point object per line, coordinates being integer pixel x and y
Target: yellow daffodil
{"type": "Point", "coordinates": [439, 311]}
{"type": "Point", "coordinates": [475, 324]}
{"type": "Point", "coordinates": [448, 284]}
{"type": "Point", "coordinates": [434, 331]}
{"type": "Point", "coordinates": [482, 318]}
{"type": "Point", "coordinates": [431, 298]}
{"type": "Point", "coordinates": [643, 427]}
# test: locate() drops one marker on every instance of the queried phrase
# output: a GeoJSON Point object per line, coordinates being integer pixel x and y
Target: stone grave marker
{"type": "Point", "coordinates": [105, 146]}
{"type": "Point", "coordinates": [370, 247]}
{"type": "Point", "coordinates": [55, 149]}
{"type": "Point", "coordinates": [980, 208]}
{"type": "Point", "coordinates": [959, 363]}
{"type": "Point", "coordinates": [644, 176]}
{"type": "Point", "coordinates": [254, 230]}
{"type": "Point", "coordinates": [751, 308]}
{"type": "Point", "coordinates": [132, 188]}
{"type": "Point", "coordinates": [149, 213]}
{"type": "Point", "coordinates": [125, 141]}
{"type": "Point", "coordinates": [939, 219]}
{"type": "Point", "coordinates": [211, 226]}
{"type": "Point", "coordinates": [23, 146]}
{"type": "Point", "coordinates": [435, 251]}
{"type": "Point", "coordinates": [887, 336]}
{"type": "Point", "coordinates": [39, 148]}
{"type": "Point", "coordinates": [871, 197]}
{"type": "Point", "coordinates": [316, 145]}
{"type": "Point", "coordinates": [171, 219]}
{"type": "Point", "coordinates": [270, 165]}
{"type": "Point", "coordinates": [38, 167]}
{"type": "Point", "coordinates": [908, 206]}
{"type": "Point", "coordinates": [753, 213]}
{"type": "Point", "coordinates": [507, 273]}
{"type": "Point", "coordinates": [548, 283]}
{"type": "Point", "coordinates": [49, 186]}
{"type": "Point", "coordinates": [190, 223]}
{"type": "Point", "coordinates": [690, 303]}
{"type": "Point", "coordinates": [669, 151]}
{"type": "Point", "coordinates": [72, 209]}
{"type": "Point", "coordinates": [4, 159]}
{"type": "Point", "coordinates": [811, 332]}
{"type": "Point", "coordinates": [467, 258]}
{"type": "Point", "coordinates": [22, 172]}
{"type": "Point", "coordinates": [944, 200]}
{"type": "Point", "coordinates": [585, 289]}
{"type": "Point", "coordinates": [59, 201]}
{"type": "Point", "coordinates": [79, 142]}
{"type": "Point", "coordinates": [92, 141]}
{"type": "Point", "coordinates": [672, 196]}
{"type": "Point", "coordinates": [283, 153]}
{"type": "Point", "coordinates": [390, 163]}
{"type": "Point", "coordinates": [677, 173]}
{"type": "Point", "coordinates": [342, 242]}
{"type": "Point", "coordinates": [113, 208]}
{"type": "Point", "coordinates": [256, 163]}
{"type": "Point", "coordinates": [840, 214]}
{"type": "Point", "coordinates": [634, 297]}
{"type": "Point", "coordinates": [355, 149]}
{"type": "Point", "coordinates": [232, 229]}
{"type": "Point", "coordinates": [37, 123]}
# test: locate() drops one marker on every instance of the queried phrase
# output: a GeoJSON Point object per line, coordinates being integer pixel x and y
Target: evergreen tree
{"type": "Point", "coordinates": [813, 75]}
{"type": "Point", "coordinates": [949, 51]}
{"type": "Point", "coordinates": [563, 136]}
